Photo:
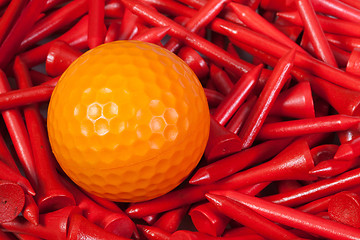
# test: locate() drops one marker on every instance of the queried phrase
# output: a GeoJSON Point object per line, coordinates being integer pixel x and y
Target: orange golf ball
{"type": "Point", "coordinates": [128, 121]}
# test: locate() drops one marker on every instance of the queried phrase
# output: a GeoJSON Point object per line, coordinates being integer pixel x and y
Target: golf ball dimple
{"type": "Point", "coordinates": [128, 121]}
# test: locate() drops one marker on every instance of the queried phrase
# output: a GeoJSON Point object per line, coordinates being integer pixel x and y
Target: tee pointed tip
{"type": "Point", "coordinates": [321, 169]}
{"type": "Point", "coordinates": [200, 177]}
{"type": "Point", "coordinates": [215, 199]}
{"type": "Point", "coordinates": [344, 152]}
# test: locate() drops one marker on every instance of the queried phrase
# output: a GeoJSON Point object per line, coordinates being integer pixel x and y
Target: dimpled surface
{"type": "Point", "coordinates": [128, 121]}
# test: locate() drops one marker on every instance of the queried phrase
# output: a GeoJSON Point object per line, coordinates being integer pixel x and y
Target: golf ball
{"type": "Point", "coordinates": [128, 121]}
